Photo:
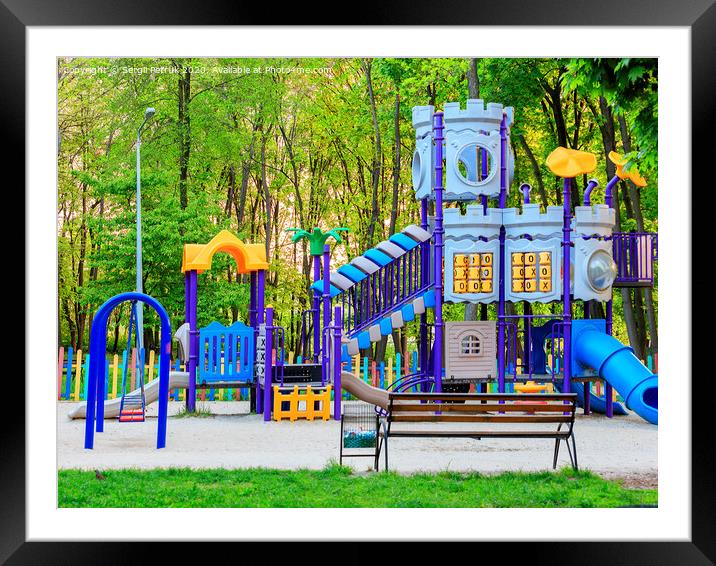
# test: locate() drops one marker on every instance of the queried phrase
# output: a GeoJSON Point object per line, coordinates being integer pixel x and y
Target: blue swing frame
{"type": "Point", "coordinates": [98, 353]}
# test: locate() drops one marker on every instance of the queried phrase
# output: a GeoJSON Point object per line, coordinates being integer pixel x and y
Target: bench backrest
{"type": "Point", "coordinates": [482, 407]}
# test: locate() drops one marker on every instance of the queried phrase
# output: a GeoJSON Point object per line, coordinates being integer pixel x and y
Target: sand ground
{"type": "Point", "coordinates": [623, 447]}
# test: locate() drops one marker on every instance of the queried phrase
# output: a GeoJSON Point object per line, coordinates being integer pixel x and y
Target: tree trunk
{"type": "Point", "coordinates": [606, 128]}
{"type": "Point", "coordinates": [116, 333]}
{"type": "Point", "coordinates": [398, 342]}
{"type": "Point", "coordinates": [80, 310]}
{"type": "Point", "coordinates": [240, 203]}
{"type": "Point", "coordinates": [70, 323]}
{"type": "Point", "coordinates": [184, 95]}
{"type": "Point", "coordinates": [380, 347]}
{"type": "Point", "coordinates": [536, 169]}
{"type": "Point", "coordinates": [376, 172]}
{"type": "Point", "coordinates": [553, 95]}
{"type": "Point", "coordinates": [230, 190]}
{"type": "Point", "coordinates": [635, 197]}
{"type": "Point", "coordinates": [473, 79]}
{"type": "Point", "coordinates": [396, 164]}
{"type": "Point", "coordinates": [473, 91]}
{"type": "Point", "coordinates": [266, 195]}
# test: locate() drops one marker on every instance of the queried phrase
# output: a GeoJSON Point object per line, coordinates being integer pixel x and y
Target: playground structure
{"type": "Point", "coordinates": [469, 248]}
{"type": "Point", "coordinates": [484, 254]}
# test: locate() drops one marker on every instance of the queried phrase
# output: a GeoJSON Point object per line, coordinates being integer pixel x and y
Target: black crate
{"type": "Point", "coordinates": [301, 373]}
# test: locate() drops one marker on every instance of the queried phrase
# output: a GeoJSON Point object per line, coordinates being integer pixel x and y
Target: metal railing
{"type": "Point", "coordinates": [635, 254]}
{"type": "Point", "coordinates": [277, 364]}
{"type": "Point", "coordinates": [387, 289]}
{"type": "Point", "coordinates": [511, 332]}
{"type": "Point", "coordinates": [556, 339]}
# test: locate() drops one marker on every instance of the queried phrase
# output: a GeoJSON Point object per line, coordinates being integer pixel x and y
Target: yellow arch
{"type": "Point", "coordinates": [248, 257]}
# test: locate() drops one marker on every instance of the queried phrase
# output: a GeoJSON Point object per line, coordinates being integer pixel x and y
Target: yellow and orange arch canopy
{"type": "Point", "coordinates": [248, 257]}
{"type": "Point", "coordinates": [633, 174]}
{"type": "Point", "coordinates": [568, 163]}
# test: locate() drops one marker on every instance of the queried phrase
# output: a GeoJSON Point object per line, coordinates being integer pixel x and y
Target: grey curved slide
{"type": "Point", "coordinates": [151, 394]}
{"type": "Point", "coordinates": [363, 391]}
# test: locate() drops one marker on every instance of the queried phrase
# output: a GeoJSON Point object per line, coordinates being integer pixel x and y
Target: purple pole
{"type": "Point", "coordinates": [260, 297]}
{"type": "Point", "coordinates": [424, 268]}
{"type": "Point", "coordinates": [186, 296]}
{"type": "Point", "coordinates": [190, 282]}
{"type": "Point", "coordinates": [587, 387]}
{"type": "Point", "coordinates": [337, 390]}
{"type": "Point", "coordinates": [484, 173]}
{"type": "Point", "coordinates": [526, 338]}
{"type": "Point", "coordinates": [326, 310]}
{"type": "Point", "coordinates": [591, 185]}
{"type": "Point", "coordinates": [525, 189]}
{"type": "Point", "coordinates": [252, 301]}
{"type": "Point", "coordinates": [316, 310]}
{"type": "Point", "coordinates": [567, 299]}
{"type": "Point", "coordinates": [254, 326]}
{"type": "Point", "coordinates": [269, 366]}
{"type": "Point", "coordinates": [501, 295]}
{"type": "Point", "coordinates": [503, 162]}
{"type": "Point", "coordinates": [438, 263]}
{"type": "Point", "coordinates": [608, 200]}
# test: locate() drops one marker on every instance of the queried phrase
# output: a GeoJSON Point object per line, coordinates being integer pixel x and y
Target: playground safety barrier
{"type": "Point", "coordinates": [72, 369]}
{"type": "Point", "coordinates": [299, 403]}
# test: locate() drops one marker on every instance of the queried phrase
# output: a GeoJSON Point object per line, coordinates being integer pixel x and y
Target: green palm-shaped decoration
{"type": "Point", "coordinates": [317, 238]}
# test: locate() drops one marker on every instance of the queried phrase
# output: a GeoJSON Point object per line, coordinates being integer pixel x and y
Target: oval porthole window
{"type": "Point", "coordinates": [475, 164]}
{"type": "Point", "coordinates": [601, 270]}
{"type": "Point", "coordinates": [417, 169]}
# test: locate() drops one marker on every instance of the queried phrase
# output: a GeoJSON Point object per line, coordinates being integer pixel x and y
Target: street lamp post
{"type": "Point", "coordinates": [148, 113]}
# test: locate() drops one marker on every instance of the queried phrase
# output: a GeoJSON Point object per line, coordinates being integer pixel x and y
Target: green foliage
{"type": "Point", "coordinates": [337, 486]}
{"type": "Point", "coordinates": [630, 87]}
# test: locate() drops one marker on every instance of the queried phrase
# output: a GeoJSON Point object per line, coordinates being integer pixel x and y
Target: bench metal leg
{"type": "Point", "coordinates": [569, 450]}
{"type": "Point", "coordinates": [378, 448]}
{"type": "Point", "coordinates": [572, 450]}
{"type": "Point", "coordinates": [556, 448]}
{"type": "Point", "coordinates": [383, 445]}
{"type": "Point", "coordinates": [556, 453]}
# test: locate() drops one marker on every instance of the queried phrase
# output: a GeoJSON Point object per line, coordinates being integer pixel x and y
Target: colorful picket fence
{"type": "Point", "coordinates": [72, 368]}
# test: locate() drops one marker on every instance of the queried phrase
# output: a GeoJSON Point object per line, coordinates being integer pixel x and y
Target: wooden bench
{"type": "Point", "coordinates": [485, 414]}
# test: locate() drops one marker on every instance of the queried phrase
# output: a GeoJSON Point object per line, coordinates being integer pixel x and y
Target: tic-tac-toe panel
{"type": "Point", "coordinates": [532, 270]}
{"type": "Point", "coordinates": [471, 271]}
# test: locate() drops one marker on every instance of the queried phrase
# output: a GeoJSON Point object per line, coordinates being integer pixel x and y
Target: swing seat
{"type": "Point", "coordinates": [132, 408]}
{"type": "Point", "coordinates": [131, 418]}
{"type": "Point", "coordinates": [133, 412]}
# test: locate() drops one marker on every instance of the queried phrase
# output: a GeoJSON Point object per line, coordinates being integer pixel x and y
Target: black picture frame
{"type": "Point", "coordinates": [698, 15]}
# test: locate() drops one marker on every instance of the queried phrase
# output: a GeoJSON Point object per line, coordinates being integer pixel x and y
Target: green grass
{"type": "Point", "coordinates": [337, 486]}
{"type": "Point", "coordinates": [202, 410]}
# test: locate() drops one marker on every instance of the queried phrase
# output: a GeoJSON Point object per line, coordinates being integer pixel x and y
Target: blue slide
{"type": "Point", "coordinates": [597, 404]}
{"type": "Point", "coordinates": [617, 364]}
